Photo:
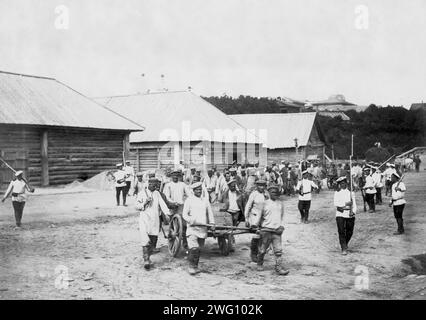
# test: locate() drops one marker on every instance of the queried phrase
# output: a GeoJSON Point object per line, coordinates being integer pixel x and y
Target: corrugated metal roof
{"type": "Point", "coordinates": [280, 128]}
{"type": "Point", "coordinates": [177, 116]}
{"type": "Point", "coordinates": [45, 101]}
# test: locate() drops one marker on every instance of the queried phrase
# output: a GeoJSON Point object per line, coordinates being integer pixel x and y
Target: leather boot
{"type": "Point", "coordinates": [153, 240]}
{"type": "Point", "coordinates": [400, 226]}
{"type": "Point", "coordinates": [254, 249]}
{"type": "Point", "coordinates": [232, 244]}
{"type": "Point", "coordinates": [146, 257]}
{"type": "Point", "coordinates": [279, 267]}
{"type": "Point", "coordinates": [260, 259]}
{"type": "Point", "coordinates": [193, 258]}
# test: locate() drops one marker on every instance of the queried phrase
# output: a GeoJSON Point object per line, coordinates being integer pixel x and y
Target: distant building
{"type": "Point", "coordinates": [54, 133]}
{"type": "Point", "coordinates": [182, 126]}
{"type": "Point", "coordinates": [280, 132]}
{"type": "Point", "coordinates": [335, 106]}
{"type": "Point", "coordinates": [418, 106]}
{"type": "Point", "coordinates": [288, 105]}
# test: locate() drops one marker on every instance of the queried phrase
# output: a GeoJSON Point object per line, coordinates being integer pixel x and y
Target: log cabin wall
{"type": "Point", "coordinates": [71, 153]}
{"type": "Point", "coordinates": [13, 140]}
{"type": "Point", "coordinates": [82, 153]}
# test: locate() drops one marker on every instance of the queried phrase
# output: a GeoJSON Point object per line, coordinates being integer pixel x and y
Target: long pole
{"type": "Point", "coordinates": [14, 171]}
{"type": "Point", "coordinates": [350, 172]}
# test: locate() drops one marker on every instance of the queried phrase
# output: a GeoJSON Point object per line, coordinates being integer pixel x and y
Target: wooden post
{"type": "Point", "coordinates": [126, 146]}
{"type": "Point", "coordinates": [158, 158]}
{"type": "Point", "coordinates": [138, 160]}
{"type": "Point", "coordinates": [44, 159]}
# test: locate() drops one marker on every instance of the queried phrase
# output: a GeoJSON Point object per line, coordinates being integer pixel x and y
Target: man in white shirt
{"type": "Point", "coordinates": [140, 185]}
{"type": "Point", "coordinates": [17, 188]}
{"type": "Point", "coordinates": [370, 189]}
{"type": "Point", "coordinates": [271, 228]}
{"type": "Point", "coordinates": [209, 182]}
{"type": "Point", "coordinates": [344, 201]}
{"type": "Point", "coordinates": [196, 211]}
{"type": "Point", "coordinates": [390, 169]}
{"type": "Point", "coordinates": [377, 177]}
{"type": "Point", "coordinates": [222, 184]}
{"type": "Point", "coordinates": [149, 204]}
{"type": "Point", "coordinates": [305, 187]}
{"type": "Point", "coordinates": [176, 193]}
{"type": "Point", "coordinates": [130, 176]}
{"type": "Point", "coordinates": [398, 202]}
{"type": "Point", "coordinates": [252, 214]}
{"type": "Point", "coordinates": [120, 184]}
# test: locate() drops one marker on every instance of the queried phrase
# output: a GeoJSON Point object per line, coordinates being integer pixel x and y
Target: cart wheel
{"type": "Point", "coordinates": [224, 244]}
{"type": "Point", "coordinates": [175, 234]}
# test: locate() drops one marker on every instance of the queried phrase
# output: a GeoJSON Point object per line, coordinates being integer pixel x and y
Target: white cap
{"type": "Point", "coordinates": [19, 172]}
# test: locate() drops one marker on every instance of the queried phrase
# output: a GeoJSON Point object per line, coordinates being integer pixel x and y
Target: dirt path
{"type": "Point", "coordinates": [85, 238]}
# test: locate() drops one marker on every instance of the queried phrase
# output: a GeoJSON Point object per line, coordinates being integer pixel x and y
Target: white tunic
{"type": "Point", "coordinates": [210, 183]}
{"type": "Point", "coordinates": [149, 204]}
{"type": "Point", "coordinates": [197, 211]}
{"type": "Point", "coordinates": [340, 199]}
{"type": "Point", "coordinates": [398, 196]}
{"type": "Point", "coordinates": [176, 192]}
{"type": "Point", "coordinates": [377, 177]}
{"type": "Point", "coordinates": [254, 207]}
{"type": "Point", "coordinates": [273, 214]}
{"type": "Point", "coordinates": [307, 187]}
{"type": "Point", "coordinates": [19, 187]}
{"type": "Point", "coordinates": [370, 183]}
{"type": "Point", "coordinates": [130, 173]}
{"type": "Point", "coordinates": [120, 175]}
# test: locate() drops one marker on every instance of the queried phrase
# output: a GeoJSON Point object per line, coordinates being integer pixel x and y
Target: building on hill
{"type": "Point", "coordinates": [182, 126]}
{"type": "Point", "coordinates": [335, 106]}
{"type": "Point", "coordinates": [54, 133]}
{"type": "Point", "coordinates": [283, 131]}
{"type": "Point", "coordinates": [418, 106]}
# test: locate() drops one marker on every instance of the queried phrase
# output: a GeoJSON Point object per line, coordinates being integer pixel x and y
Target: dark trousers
{"type": "Point", "coordinates": [18, 207]}
{"type": "Point", "coordinates": [369, 198]}
{"type": "Point", "coordinates": [388, 187]}
{"type": "Point", "coordinates": [345, 228]}
{"type": "Point", "coordinates": [397, 212]}
{"type": "Point", "coordinates": [304, 206]}
{"type": "Point", "coordinates": [128, 184]}
{"type": "Point", "coordinates": [119, 190]}
{"type": "Point", "coordinates": [379, 196]}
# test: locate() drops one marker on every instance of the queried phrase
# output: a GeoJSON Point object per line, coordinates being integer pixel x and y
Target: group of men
{"type": "Point", "coordinates": [249, 194]}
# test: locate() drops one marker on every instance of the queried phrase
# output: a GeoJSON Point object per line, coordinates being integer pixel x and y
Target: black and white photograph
{"type": "Point", "coordinates": [228, 150]}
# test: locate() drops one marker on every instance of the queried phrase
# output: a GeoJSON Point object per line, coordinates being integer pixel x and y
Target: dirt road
{"type": "Point", "coordinates": [92, 244]}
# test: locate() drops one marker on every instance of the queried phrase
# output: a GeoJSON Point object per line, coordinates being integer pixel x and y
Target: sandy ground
{"type": "Point", "coordinates": [81, 246]}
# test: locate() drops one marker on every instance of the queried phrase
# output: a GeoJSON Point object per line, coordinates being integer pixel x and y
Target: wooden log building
{"type": "Point", "coordinates": [54, 133]}
{"type": "Point", "coordinates": [182, 126]}
{"type": "Point", "coordinates": [281, 131]}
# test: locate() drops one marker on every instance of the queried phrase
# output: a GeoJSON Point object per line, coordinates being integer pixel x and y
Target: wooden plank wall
{"type": "Point", "coordinates": [82, 153]}
{"type": "Point", "coordinates": [27, 138]}
{"type": "Point", "coordinates": [72, 153]}
{"type": "Point", "coordinates": [150, 158]}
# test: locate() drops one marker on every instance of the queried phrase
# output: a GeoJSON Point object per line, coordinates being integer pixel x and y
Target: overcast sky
{"type": "Point", "coordinates": [305, 49]}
